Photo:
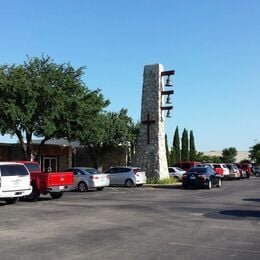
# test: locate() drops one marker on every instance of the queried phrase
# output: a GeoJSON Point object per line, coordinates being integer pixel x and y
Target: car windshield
{"type": "Point", "coordinates": [33, 167]}
{"type": "Point", "coordinates": [92, 171]}
{"type": "Point", "coordinates": [179, 169]}
{"type": "Point", "coordinates": [13, 170]}
{"type": "Point", "coordinates": [198, 170]}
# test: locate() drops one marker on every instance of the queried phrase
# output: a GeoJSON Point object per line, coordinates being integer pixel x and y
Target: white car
{"type": "Point", "coordinates": [86, 178]}
{"type": "Point", "coordinates": [225, 170]}
{"type": "Point", "coordinates": [127, 176]}
{"type": "Point", "coordinates": [14, 181]}
{"type": "Point", "coordinates": [233, 171]}
{"type": "Point", "coordinates": [176, 172]}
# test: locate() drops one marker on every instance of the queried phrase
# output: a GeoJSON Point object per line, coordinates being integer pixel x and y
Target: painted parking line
{"type": "Point", "coordinates": [114, 189]}
{"type": "Point", "coordinates": [212, 247]}
{"type": "Point", "coordinates": [196, 214]}
{"type": "Point", "coordinates": [124, 190]}
{"type": "Point", "coordinates": [230, 228]}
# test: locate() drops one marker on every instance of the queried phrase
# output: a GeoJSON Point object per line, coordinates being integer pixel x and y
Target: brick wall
{"type": "Point", "coordinates": [66, 156]}
{"type": "Point", "coordinates": [115, 158]}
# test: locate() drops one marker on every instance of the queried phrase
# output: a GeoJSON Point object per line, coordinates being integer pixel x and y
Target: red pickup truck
{"type": "Point", "coordinates": [53, 183]}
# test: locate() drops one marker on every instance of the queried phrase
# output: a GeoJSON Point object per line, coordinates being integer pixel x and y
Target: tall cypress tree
{"type": "Point", "coordinates": [176, 150]}
{"type": "Point", "coordinates": [167, 149]}
{"type": "Point", "coordinates": [185, 146]}
{"type": "Point", "coordinates": [192, 147]}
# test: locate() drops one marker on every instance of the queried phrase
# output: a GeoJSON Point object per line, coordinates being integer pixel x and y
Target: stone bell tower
{"type": "Point", "coordinates": [150, 151]}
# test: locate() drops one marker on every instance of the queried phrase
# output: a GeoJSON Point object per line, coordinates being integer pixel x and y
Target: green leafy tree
{"type": "Point", "coordinates": [192, 147]}
{"type": "Point", "coordinates": [254, 153]}
{"type": "Point", "coordinates": [176, 150]}
{"type": "Point", "coordinates": [185, 146]}
{"type": "Point", "coordinates": [207, 158]}
{"type": "Point", "coordinates": [47, 100]}
{"type": "Point", "coordinates": [229, 155]}
{"type": "Point", "coordinates": [134, 129]}
{"type": "Point", "coordinates": [108, 131]}
{"type": "Point", "coordinates": [244, 161]}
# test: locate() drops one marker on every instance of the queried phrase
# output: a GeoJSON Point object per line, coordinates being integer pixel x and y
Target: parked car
{"type": "Point", "coordinates": [217, 167]}
{"type": "Point", "coordinates": [256, 170]}
{"type": "Point", "coordinates": [176, 173]}
{"type": "Point", "coordinates": [14, 181]}
{"type": "Point", "coordinates": [242, 172]}
{"type": "Point", "coordinates": [53, 183]}
{"type": "Point", "coordinates": [86, 178]}
{"type": "Point", "coordinates": [187, 165]}
{"type": "Point", "coordinates": [248, 168]}
{"type": "Point", "coordinates": [202, 177]}
{"type": "Point", "coordinates": [127, 176]}
{"type": "Point", "coordinates": [225, 170]}
{"type": "Point", "coordinates": [233, 171]}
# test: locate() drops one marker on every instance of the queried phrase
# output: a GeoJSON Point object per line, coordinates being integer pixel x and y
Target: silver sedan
{"type": "Point", "coordinates": [86, 178]}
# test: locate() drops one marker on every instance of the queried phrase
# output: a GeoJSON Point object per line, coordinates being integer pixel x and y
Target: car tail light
{"type": "Point", "coordinates": [48, 179]}
{"type": "Point", "coordinates": [136, 172]}
{"type": "Point", "coordinates": [202, 177]}
{"type": "Point", "coordinates": [94, 177]}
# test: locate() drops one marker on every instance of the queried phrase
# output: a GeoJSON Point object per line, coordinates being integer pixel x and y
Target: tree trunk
{"type": "Point", "coordinates": [28, 145]}
{"type": "Point", "coordinates": [92, 154]}
{"type": "Point", "coordinates": [22, 144]}
{"type": "Point", "coordinates": [39, 151]}
{"type": "Point", "coordinates": [96, 155]}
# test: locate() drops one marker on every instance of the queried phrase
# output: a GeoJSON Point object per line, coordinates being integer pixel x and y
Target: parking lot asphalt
{"type": "Point", "coordinates": [163, 222]}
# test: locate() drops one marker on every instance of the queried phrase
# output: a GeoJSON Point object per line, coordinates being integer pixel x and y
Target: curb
{"type": "Point", "coordinates": [173, 185]}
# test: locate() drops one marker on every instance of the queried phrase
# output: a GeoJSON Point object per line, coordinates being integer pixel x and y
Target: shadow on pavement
{"type": "Point", "coordinates": [235, 214]}
{"type": "Point", "coordinates": [40, 199]}
{"type": "Point", "coordinates": [167, 187]}
{"type": "Point", "coordinates": [252, 199]}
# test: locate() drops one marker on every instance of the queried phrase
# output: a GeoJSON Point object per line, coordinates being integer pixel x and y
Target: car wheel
{"type": "Point", "coordinates": [184, 186]}
{"type": "Point", "coordinates": [219, 183]}
{"type": "Point", "coordinates": [82, 187]}
{"type": "Point", "coordinates": [34, 196]}
{"type": "Point", "coordinates": [100, 188]}
{"type": "Point", "coordinates": [129, 183]}
{"type": "Point", "coordinates": [11, 200]}
{"type": "Point", "coordinates": [56, 195]}
{"type": "Point", "coordinates": [209, 185]}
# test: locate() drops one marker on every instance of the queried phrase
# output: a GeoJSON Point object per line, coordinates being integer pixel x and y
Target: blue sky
{"type": "Point", "coordinates": [213, 46]}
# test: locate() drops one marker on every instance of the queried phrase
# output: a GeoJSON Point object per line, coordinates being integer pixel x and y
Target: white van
{"type": "Point", "coordinates": [14, 181]}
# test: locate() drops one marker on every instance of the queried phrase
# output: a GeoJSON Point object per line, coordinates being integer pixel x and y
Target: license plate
{"type": "Point", "coordinates": [61, 187]}
{"type": "Point", "coordinates": [192, 177]}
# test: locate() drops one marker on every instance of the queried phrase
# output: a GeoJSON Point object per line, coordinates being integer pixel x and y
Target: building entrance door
{"type": "Point", "coordinates": [49, 164]}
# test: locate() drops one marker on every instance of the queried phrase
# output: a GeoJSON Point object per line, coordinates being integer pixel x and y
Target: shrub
{"type": "Point", "coordinates": [169, 180]}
